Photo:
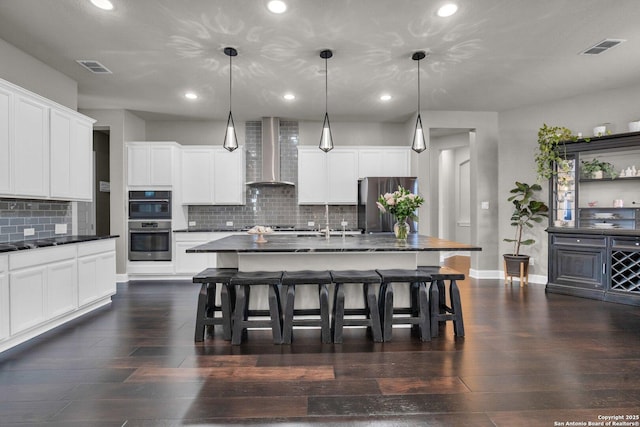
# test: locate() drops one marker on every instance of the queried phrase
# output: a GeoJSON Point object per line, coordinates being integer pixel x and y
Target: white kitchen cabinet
{"type": "Point", "coordinates": [192, 263]}
{"type": "Point", "coordinates": [228, 177]}
{"type": "Point", "coordinates": [150, 164]}
{"type": "Point", "coordinates": [71, 164]}
{"type": "Point", "coordinates": [27, 297]}
{"type": "Point", "coordinates": [30, 147]}
{"type": "Point", "coordinates": [96, 271]}
{"type": "Point", "coordinates": [62, 288]}
{"type": "Point", "coordinates": [4, 297]}
{"type": "Point", "coordinates": [6, 137]}
{"type": "Point", "coordinates": [197, 175]}
{"type": "Point", "coordinates": [212, 176]}
{"type": "Point", "coordinates": [327, 177]}
{"type": "Point", "coordinates": [384, 161]}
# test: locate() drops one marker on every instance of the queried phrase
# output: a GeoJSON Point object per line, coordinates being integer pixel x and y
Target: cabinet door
{"type": "Point", "coordinates": [31, 148]}
{"type": "Point", "coordinates": [4, 298]}
{"type": "Point", "coordinates": [191, 263]}
{"type": "Point", "coordinates": [160, 166]}
{"type": "Point", "coordinates": [369, 162]}
{"type": "Point", "coordinates": [60, 159]}
{"type": "Point", "coordinates": [138, 165]}
{"type": "Point", "coordinates": [342, 180]}
{"type": "Point", "coordinates": [26, 296]}
{"type": "Point", "coordinates": [61, 288]}
{"type": "Point", "coordinates": [197, 176]}
{"type": "Point", "coordinates": [87, 286]}
{"type": "Point", "coordinates": [105, 274]}
{"type": "Point", "coordinates": [228, 177]}
{"type": "Point", "coordinates": [578, 266]}
{"type": "Point", "coordinates": [312, 177]}
{"type": "Point", "coordinates": [6, 123]}
{"type": "Point", "coordinates": [82, 160]}
{"type": "Point", "coordinates": [395, 162]}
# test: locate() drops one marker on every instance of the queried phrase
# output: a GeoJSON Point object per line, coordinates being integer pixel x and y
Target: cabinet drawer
{"type": "Point", "coordinates": [40, 256]}
{"type": "Point", "coordinates": [96, 247]}
{"type": "Point", "coordinates": [632, 243]}
{"type": "Point", "coordinates": [580, 240]}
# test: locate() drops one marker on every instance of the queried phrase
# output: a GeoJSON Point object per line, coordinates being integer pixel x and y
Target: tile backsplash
{"type": "Point", "coordinates": [41, 215]}
{"type": "Point", "coordinates": [271, 205]}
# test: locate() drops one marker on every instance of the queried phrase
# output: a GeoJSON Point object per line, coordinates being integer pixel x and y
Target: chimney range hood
{"type": "Point", "coordinates": [270, 154]}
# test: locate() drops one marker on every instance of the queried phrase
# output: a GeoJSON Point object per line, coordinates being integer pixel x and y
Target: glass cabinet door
{"type": "Point", "coordinates": [563, 209]}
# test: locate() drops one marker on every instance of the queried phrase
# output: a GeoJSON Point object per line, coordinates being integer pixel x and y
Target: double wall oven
{"type": "Point", "coordinates": [149, 225]}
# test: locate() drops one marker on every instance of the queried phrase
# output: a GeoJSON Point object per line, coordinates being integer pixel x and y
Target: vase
{"type": "Point", "coordinates": [401, 229]}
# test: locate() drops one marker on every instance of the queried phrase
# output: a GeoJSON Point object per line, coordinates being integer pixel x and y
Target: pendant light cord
{"type": "Point", "coordinates": [230, 73]}
{"type": "Point", "coordinates": [418, 86]}
{"type": "Point", "coordinates": [326, 86]}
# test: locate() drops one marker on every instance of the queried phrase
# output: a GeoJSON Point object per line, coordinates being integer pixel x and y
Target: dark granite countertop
{"type": "Point", "coordinates": [595, 231]}
{"type": "Point", "coordinates": [380, 242]}
{"type": "Point", "coordinates": [244, 229]}
{"type": "Point", "coordinates": [52, 241]}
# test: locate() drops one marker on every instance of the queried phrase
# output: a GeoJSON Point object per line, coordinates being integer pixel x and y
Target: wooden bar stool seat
{"type": "Point", "coordinates": [243, 317]}
{"type": "Point", "coordinates": [207, 308]}
{"type": "Point", "coordinates": [367, 279]}
{"type": "Point", "coordinates": [440, 310]}
{"type": "Point", "coordinates": [290, 318]}
{"type": "Point", "coordinates": [417, 314]}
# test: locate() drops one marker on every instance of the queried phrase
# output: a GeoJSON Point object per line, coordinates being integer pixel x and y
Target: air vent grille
{"type": "Point", "coordinates": [602, 46]}
{"type": "Point", "coordinates": [94, 66]}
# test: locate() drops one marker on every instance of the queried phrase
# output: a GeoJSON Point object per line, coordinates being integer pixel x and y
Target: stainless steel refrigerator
{"type": "Point", "coordinates": [370, 219]}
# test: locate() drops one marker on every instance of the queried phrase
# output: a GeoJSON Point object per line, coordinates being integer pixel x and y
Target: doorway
{"type": "Point", "coordinates": [102, 190]}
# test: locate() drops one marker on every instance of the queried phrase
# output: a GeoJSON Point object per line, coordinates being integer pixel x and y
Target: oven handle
{"type": "Point", "coordinates": [150, 200]}
{"type": "Point", "coordinates": [163, 230]}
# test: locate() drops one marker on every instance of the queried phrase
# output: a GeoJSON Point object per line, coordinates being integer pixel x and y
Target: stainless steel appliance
{"type": "Point", "coordinates": [149, 240]}
{"type": "Point", "coordinates": [150, 204]}
{"type": "Point", "coordinates": [370, 219]}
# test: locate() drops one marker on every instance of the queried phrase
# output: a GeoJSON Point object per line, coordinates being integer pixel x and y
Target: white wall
{"type": "Point", "coordinates": [518, 140]}
{"type": "Point", "coordinates": [354, 133]}
{"type": "Point", "coordinates": [187, 132]}
{"type": "Point", "coordinates": [28, 72]}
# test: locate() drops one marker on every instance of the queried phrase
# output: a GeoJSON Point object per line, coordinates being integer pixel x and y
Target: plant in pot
{"type": "Point", "coordinates": [527, 211]}
{"type": "Point", "coordinates": [550, 153]}
{"type": "Point", "coordinates": [596, 169]}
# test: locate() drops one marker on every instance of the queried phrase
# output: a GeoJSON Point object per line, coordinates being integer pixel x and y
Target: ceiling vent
{"type": "Point", "coordinates": [94, 66]}
{"type": "Point", "coordinates": [602, 46]}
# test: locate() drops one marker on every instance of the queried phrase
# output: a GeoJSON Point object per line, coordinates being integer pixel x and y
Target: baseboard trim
{"type": "Point", "coordinates": [499, 275]}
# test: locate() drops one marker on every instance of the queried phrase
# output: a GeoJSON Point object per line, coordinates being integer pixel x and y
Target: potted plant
{"type": "Point", "coordinates": [549, 153]}
{"type": "Point", "coordinates": [527, 211]}
{"type": "Point", "coordinates": [597, 169]}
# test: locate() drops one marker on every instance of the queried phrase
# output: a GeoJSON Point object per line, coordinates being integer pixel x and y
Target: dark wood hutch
{"type": "Point", "coordinates": [594, 223]}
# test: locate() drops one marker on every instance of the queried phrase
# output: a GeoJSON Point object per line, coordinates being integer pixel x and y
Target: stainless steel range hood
{"type": "Point", "coordinates": [270, 154]}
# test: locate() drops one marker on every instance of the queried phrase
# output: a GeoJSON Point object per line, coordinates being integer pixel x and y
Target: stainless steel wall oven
{"type": "Point", "coordinates": [150, 205]}
{"type": "Point", "coordinates": [150, 225]}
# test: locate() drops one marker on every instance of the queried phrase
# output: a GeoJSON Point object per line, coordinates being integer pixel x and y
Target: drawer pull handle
{"type": "Point", "coordinates": [577, 240]}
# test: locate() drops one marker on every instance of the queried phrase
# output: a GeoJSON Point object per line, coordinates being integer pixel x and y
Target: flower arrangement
{"type": "Point", "coordinates": [402, 204]}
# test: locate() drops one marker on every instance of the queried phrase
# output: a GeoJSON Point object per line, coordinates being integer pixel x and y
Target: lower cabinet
{"type": "Point", "coordinates": [4, 297]}
{"type": "Point", "coordinates": [46, 287]}
{"type": "Point", "coordinates": [595, 266]}
{"type": "Point", "coordinates": [192, 263]}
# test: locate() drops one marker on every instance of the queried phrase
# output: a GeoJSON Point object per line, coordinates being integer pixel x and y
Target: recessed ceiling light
{"type": "Point", "coordinates": [289, 96]}
{"type": "Point", "coordinates": [385, 97]}
{"type": "Point", "coordinates": [191, 95]}
{"type": "Point", "coordinates": [277, 6]}
{"type": "Point", "coordinates": [103, 4]}
{"type": "Point", "coordinates": [447, 10]}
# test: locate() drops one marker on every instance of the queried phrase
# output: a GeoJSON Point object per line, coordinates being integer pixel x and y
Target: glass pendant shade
{"type": "Point", "coordinates": [230, 138]}
{"type": "Point", "coordinates": [326, 140]}
{"type": "Point", "coordinates": [419, 144]}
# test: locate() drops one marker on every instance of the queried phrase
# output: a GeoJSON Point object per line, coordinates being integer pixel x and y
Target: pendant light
{"type": "Point", "coordinates": [418, 144]}
{"type": "Point", "coordinates": [230, 138]}
{"type": "Point", "coordinates": [326, 140]}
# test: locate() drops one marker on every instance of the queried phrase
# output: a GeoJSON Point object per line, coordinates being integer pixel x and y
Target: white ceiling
{"type": "Point", "coordinates": [492, 55]}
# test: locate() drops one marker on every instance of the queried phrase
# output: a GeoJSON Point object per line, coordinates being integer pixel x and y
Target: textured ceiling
{"type": "Point", "coordinates": [492, 55]}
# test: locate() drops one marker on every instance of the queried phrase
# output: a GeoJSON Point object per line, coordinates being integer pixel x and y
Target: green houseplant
{"type": "Point", "coordinates": [527, 211]}
{"type": "Point", "coordinates": [590, 169]}
{"type": "Point", "coordinates": [550, 151]}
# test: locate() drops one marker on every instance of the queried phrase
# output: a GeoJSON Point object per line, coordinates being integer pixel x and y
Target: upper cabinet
{"type": "Point", "coordinates": [384, 161]}
{"type": "Point", "coordinates": [45, 148]}
{"type": "Point", "coordinates": [333, 177]}
{"type": "Point", "coordinates": [71, 157]}
{"type": "Point", "coordinates": [212, 176]}
{"type": "Point", "coordinates": [151, 164]}
{"type": "Point", "coordinates": [327, 177]}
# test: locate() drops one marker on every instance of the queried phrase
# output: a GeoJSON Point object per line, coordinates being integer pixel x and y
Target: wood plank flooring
{"type": "Point", "coordinates": [528, 359]}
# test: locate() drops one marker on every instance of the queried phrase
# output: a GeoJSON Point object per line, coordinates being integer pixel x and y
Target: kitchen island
{"type": "Point", "coordinates": [293, 252]}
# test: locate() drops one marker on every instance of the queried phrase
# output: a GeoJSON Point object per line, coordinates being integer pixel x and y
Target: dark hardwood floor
{"type": "Point", "coordinates": [528, 359]}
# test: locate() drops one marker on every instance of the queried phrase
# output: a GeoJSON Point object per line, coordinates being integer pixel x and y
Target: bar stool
{"type": "Point", "coordinates": [306, 277]}
{"type": "Point", "coordinates": [367, 278]}
{"type": "Point", "coordinates": [207, 308]}
{"type": "Point", "coordinates": [417, 314]}
{"type": "Point", "coordinates": [440, 311]}
{"type": "Point", "coordinates": [244, 318]}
